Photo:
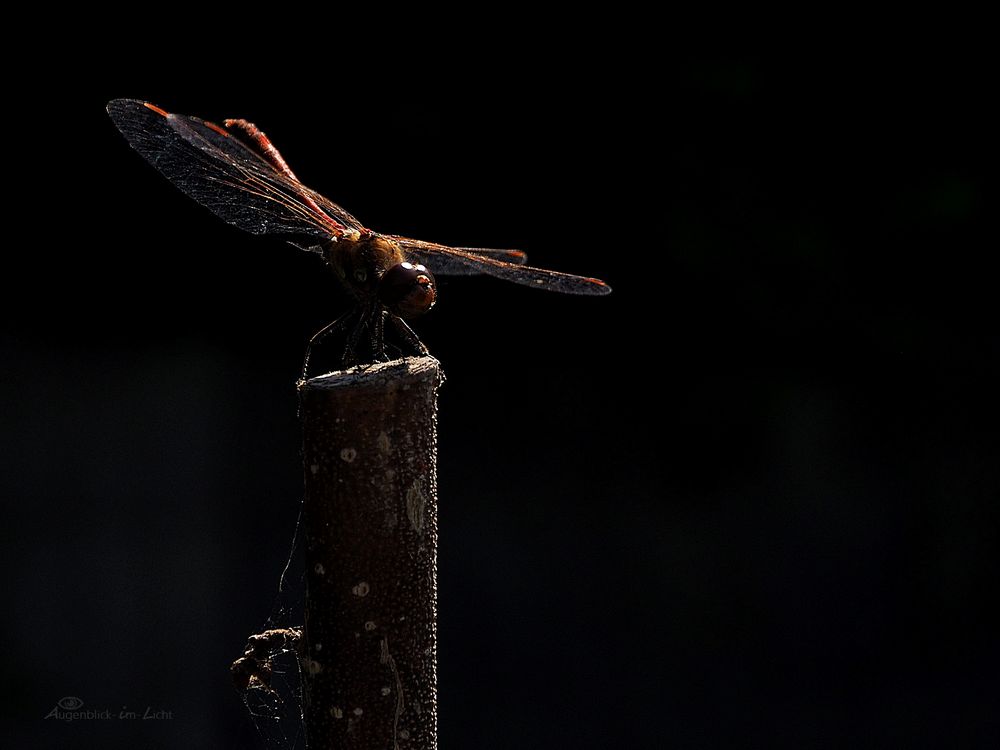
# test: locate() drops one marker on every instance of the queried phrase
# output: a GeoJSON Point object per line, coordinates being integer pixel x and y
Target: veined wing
{"type": "Point", "coordinates": [503, 264]}
{"type": "Point", "coordinates": [226, 176]}
{"type": "Point", "coordinates": [446, 265]}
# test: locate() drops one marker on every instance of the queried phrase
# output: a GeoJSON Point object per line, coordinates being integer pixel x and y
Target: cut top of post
{"type": "Point", "coordinates": [380, 375]}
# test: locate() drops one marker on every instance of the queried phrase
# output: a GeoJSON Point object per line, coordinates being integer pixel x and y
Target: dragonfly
{"type": "Point", "coordinates": [235, 171]}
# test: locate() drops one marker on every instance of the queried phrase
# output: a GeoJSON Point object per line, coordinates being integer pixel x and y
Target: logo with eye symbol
{"type": "Point", "coordinates": [70, 703]}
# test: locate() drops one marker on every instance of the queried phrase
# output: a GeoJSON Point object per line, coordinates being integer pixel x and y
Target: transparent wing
{"type": "Point", "coordinates": [503, 264]}
{"type": "Point", "coordinates": [223, 174]}
{"type": "Point", "coordinates": [445, 265]}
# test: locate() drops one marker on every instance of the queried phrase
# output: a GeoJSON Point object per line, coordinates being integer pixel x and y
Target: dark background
{"type": "Point", "coordinates": [749, 498]}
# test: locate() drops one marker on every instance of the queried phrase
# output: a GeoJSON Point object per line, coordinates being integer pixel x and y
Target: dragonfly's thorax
{"type": "Point", "coordinates": [360, 264]}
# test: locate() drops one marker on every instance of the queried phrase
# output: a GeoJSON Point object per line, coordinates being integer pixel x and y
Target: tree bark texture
{"type": "Point", "coordinates": [370, 521]}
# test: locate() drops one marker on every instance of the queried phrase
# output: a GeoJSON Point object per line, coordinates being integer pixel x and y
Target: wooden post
{"type": "Point", "coordinates": [370, 519]}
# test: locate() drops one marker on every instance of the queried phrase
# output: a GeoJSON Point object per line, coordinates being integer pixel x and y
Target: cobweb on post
{"type": "Point", "coordinates": [268, 674]}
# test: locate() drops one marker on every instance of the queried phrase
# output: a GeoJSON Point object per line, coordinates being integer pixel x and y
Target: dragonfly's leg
{"type": "Point", "coordinates": [408, 336]}
{"type": "Point", "coordinates": [350, 349]}
{"type": "Point", "coordinates": [378, 336]}
{"type": "Point", "coordinates": [337, 325]}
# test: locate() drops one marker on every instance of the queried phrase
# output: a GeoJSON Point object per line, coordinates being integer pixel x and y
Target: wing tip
{"type": "Point", "coordinates": [599, 287]}
{"type": "Point", "coordinates": [215, 127]}
{"type": "Point", "coordinates": [150, 105]}
{"type": "Point", "coordinates": [123, 107]}
{"type": "Point", "coordinates": [116, 105]}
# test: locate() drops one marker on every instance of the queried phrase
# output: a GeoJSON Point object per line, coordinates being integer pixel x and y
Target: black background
{"type": "Point", "coordinates": [749, 498]}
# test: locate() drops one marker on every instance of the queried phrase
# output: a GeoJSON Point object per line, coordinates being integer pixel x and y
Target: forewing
{"type": "Point", "coordinates": [443, 264]}
{"type": "Point", "coordinates": [503, 264]}
{"type": "Point", "coordinates": [217, 170]}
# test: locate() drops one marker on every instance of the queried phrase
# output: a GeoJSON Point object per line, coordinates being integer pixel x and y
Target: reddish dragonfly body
{"type": "Point", "coordinates": [235, 171]}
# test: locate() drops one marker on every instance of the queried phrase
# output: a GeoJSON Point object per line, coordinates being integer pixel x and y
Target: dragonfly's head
{"type": "Point", "coordinates": [407, 289]}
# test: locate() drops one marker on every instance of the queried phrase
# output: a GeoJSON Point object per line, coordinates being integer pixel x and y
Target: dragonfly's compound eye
{"type": "Point", "coordinates": [408, 290]}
